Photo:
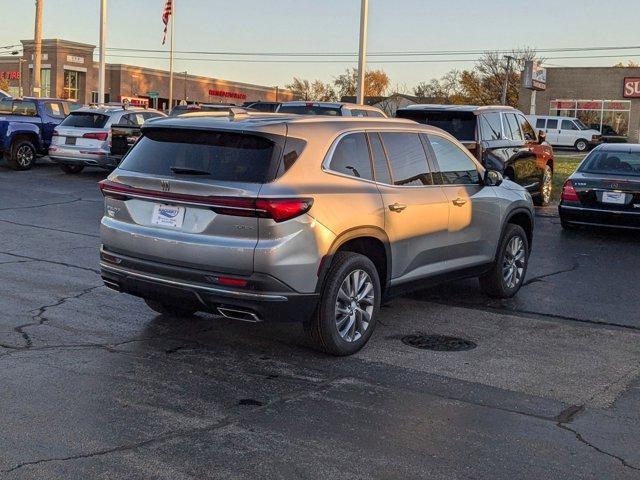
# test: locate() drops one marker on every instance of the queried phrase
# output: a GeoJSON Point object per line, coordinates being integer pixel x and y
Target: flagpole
{"type": "Point", "coordinates": [173, 14]}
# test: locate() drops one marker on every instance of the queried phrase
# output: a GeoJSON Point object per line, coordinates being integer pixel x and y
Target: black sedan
{"type": "Point", "coordinates": [604, 190]}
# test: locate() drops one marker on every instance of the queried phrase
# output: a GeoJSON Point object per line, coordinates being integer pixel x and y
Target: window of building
{"type": "Point", "coordinates": [45, 82]}
{"type": "Point", "coordinates": [610, 117]}
{"type": "Point", "coordinates": [407, 158]}
{"type": "Point", "coordinates": [94, 97]}
{"type": "Point", "coordinates": [491, 126]}
{"type": "Point", "coordinates": [71, 87]}
{"type": "Point", "coordinates": [456, 167]}
{"type": "Point", "coordinates": [351, 157]}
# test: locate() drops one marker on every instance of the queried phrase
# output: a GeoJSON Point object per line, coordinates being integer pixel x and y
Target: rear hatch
{"type": "Point", "coordinates": [187, 197]}
{"type": "Point", "coordinates": [609, 180]}
{"type": "Point", "coordinates": [82, 130]}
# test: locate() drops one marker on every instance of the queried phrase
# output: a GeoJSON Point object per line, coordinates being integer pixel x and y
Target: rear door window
{"type": "Point", "coordinates": [407, 158]}
{"type": "Point", "coordinates": [380, 166]}
{"type": "Point", "coordinates": [216, 155]}
{"type": "Point", "coordinates": [351, 157]}
{"type": "Point", "coordinates": [456, 168]}
{"type": "Point", "coordinates": [552, 124]}
{"type": "Point", "coordinates": [85, 120]}
{"type": "Point", "coordinates": [491, 126]}
{"type": "Point", "coordinates": [540, 123]}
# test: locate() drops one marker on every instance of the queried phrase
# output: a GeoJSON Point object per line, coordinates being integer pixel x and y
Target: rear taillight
{"type": "Point", "coordinates": [278, 209]}
{"type": "Point", "coordinates": [102, 136]}
{"type": "Point", "coordinates": [569, 193]}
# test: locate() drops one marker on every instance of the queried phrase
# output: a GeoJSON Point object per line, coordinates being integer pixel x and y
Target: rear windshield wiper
{"type": "Point", "coordinates": [189, 171]}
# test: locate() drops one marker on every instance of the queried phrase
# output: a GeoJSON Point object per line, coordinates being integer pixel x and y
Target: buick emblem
{"type": "Point", "coordinates": [165, 185]}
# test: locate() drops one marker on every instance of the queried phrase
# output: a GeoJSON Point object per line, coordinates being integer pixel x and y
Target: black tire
{"type": "Point", "coordinates": [171, 310]}
{"type": "Point", "coordinates": [494, 283]}
{"type": "Point", "coordinates": [543, 198]}
{"type": "Point", "coordinates": [323, 328]}
{"type": "Point", "coordinates": [71, 169]}
{"type": "Point", "coordinates": [581, 145]}
{"type": "Point", "coordinates": [22, 154]}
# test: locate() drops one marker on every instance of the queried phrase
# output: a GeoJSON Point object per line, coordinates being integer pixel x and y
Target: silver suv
{"type": "Point", "coordinates": [305, 219]}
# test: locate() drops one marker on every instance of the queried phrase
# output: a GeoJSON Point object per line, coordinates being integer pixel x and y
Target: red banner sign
{"type": "Point", "coordinates": [223, 93]}
{"type": "Point", "coordinates": [631, 87]}
{"type": "Point", "coordinates": [15, 75]}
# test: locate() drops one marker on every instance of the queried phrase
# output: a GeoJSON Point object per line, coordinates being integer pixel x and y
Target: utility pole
{"type": "Point", "coordinates": [185, 86]}
{"type": "Point", "coordinates": [506, 79]}
{"type": "Point", "coordinates": [37, 54]}
{"type": "Point", "coordinates": [362, 51]}
{"type": "Point", "coordinates": [173, 14]}
{"type": "Point", "coordinates": [103, 45]}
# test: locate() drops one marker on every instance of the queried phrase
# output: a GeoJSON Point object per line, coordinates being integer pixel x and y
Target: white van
{"type": "Point", "coordinates": [566, 132]}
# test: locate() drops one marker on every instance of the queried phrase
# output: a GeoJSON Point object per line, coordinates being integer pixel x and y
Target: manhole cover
{"type": "Point", "coordinates": [440, 343]}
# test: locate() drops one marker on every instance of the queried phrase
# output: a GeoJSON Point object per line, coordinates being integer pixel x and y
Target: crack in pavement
{"type": "Point", "coordinates": [49, 228]}
{"type": "Point", "coordinates": [226, 421]}
{"type": "Point", "coordinates": [540, 278]}
{"type": "Point", "coordinates": [43, 205]}
{"type": "Point", "coordinates": [53, 262]}
{"type": "Point", "coordinates": [568, 415]}
{"type": "Point", "coordinates": [39, 318]}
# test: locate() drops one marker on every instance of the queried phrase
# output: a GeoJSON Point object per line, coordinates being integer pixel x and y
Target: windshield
{"type": "Point", "coordinates": [85, 120]}
{"type": "Point", "coordinates": [225, 156]}
{"type": "Point", "coordinates": [612, 163]}
{"type": "Point", "coordinates": [581, 125]}
{"type": "Point", "coordinates": [310, 110]}
{"type": "Point", "coordinates": [461, 125]}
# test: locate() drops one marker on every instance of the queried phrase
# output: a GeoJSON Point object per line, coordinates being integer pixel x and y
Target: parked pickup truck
{"type": "Point", "coordinates": [26, 128]}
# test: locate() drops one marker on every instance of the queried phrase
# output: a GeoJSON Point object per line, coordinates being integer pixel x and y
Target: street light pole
{"type": "Point", "coordinates": [506, 79]}
{"type": "Point", "coordinates": [103, 44]}
{"type": "Point", "coordinates": [37, 53]}
{"type": "Point", "coordinates": [362, 51]}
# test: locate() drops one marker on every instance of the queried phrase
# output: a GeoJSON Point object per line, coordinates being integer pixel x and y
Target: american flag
{"type": "Point", "coordinates": [165, 18]}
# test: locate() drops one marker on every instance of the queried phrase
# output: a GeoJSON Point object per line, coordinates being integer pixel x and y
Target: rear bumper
{"type": "Point", "coordinates": [268, 300]}
{"type": "Point", "coordinates": [89, 157]}
{"type": "Point", "coordinates": [599, 217]}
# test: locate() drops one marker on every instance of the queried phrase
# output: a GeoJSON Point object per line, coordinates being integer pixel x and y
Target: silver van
{"type": "Point", "coordinates": [309, 219]}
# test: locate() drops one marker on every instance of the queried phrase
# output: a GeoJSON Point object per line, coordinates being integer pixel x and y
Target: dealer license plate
{"type": "Point", "coordinates": [615, 198]}
{"type": "Point", "coordinates": [70, 141]}
{"type": "Point", "coordinates": [168, 216]}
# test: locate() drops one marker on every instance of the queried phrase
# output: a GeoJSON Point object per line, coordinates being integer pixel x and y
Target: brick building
{"type": "Point", "coordinates": [69, 71]}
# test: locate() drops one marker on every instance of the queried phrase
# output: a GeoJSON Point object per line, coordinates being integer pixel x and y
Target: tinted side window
{"type": "Point", "coordinates": [351, 157]}
{"type": "Point", "coordinates": [552, 124]}
{"type": "Point", "coordinates": [6, 105]}
{"type": "Point", "coordinates": [407, 158]}
{"type": "Point", "coordinates": [540, 123]}
{"type": "Point", "coordinates": [527, 129]}
{"type": "Point", "coordinates": [358, 113]}
{"type": "Point", "coordinates": [380, 167]}
{"type": "Point", "coordinates": [514, 128]}
{"type": "Point", "coordinates": [455, 166]}
{"type": "Point", "coordinates": [568, 125]}
{"type": "Point", "coordinates": [24, 107]}
{"type": "Point", "coordinates": [491, 126]}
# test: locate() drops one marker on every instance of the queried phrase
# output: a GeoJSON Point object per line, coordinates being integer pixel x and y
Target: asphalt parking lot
{"type": "Point", "coordinates": [95, 385]}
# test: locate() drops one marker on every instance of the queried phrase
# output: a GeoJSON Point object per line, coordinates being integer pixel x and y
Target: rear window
{"type": "Point", "coordinates": [85, 120]}
{"type": "Point", "coordinates": [223, 156]}
{"type": "Point", "coordinates": [461, 125]}
{"type": "Point", "coordinates": [612, 163]}
{"type": "Point", "coordinates": [310, 110]}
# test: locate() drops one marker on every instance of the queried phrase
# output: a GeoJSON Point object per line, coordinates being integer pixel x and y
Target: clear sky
{"type": "Point", "coordinates": [297, 26]}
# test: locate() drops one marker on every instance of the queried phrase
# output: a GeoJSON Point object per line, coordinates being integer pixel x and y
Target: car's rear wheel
{"type": "Point", "coordinates": [22, 154]}
{"type": "Point", "coordinates": [582, 145]}
{"type": "Point", "coordinates": [349, 304]}
{"type": "Point", "coordinates": [167, 309]}
{"type": "Point", "coordinates": [71, 169]}
{"type": "Point", "coordinates": [507, 274]}
{"type": "Point", "coordinates": [546, 187]}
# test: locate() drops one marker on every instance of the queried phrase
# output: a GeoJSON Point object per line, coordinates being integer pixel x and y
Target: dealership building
{"type": "Point", "coordinates": [607, 98]}
{"type": "Point", "coordinates": [69, 71]}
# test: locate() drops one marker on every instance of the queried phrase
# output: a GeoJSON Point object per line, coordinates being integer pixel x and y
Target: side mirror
{"type": "Point", "coordinates": [542, 137]}
{"type": "Point", "coordinates": [492, 178]}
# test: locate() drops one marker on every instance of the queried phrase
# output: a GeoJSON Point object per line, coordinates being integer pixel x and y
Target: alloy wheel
{"type": "Point", "coordinates": [24, 156]}
{"type": "Point", "coordinates": [354, 305]}
{"type": "Point", "coordinates": [513, 263]}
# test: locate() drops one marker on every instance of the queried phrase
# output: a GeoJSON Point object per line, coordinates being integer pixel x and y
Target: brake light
{"type": "Point", "coordinates": [102, 136]}
{"type": "Point", "coordinates": [278, 209]}
{"type": "Point", "coordinates": [569, 193]}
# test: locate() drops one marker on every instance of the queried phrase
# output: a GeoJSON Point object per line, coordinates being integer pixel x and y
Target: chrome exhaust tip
{"type": "Point", "coordinates": [236, 314]}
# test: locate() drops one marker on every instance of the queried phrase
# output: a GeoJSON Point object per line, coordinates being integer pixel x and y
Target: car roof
{"type": "Point", "coordinates": [619, 147]}
{"type": "Point", "coordinates": [457, 108]}
{"type": "Point", "coordinates": [109, 110]}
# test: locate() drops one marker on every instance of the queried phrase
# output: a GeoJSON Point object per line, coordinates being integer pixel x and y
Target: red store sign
{"type": "Point", "coordinates": [631, 87]}
{"type": "Point", "coordinates": [223, 93]}
{"type": "Point", "coordinates": [15, 75]}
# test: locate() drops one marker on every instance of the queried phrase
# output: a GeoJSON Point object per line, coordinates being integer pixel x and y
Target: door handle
{"type": "Point", "coordinates": [397, 207]}
{"type": "Point", "coordinates": [458, 202]}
